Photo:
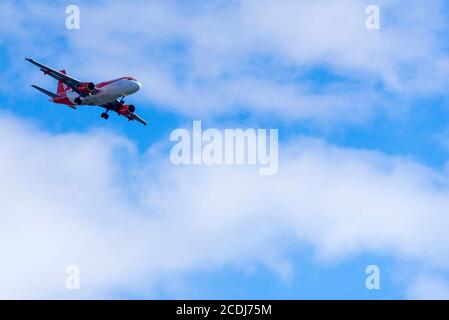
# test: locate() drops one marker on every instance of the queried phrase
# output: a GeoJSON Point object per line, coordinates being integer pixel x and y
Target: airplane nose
{"type": "Point", "coordinates": [133, 86]}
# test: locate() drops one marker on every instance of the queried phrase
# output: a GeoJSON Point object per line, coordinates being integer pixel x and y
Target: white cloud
{"type": "Point", "coordinates": [428, 288]}
{"type": "Point", "coordinates": [222, 57]}
{"type": "Point", "coordinates": [131, 220]}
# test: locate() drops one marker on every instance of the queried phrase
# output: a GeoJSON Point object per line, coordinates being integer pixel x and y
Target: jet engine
{"type": "Point", "coordinates": [86, 87]}
{"type": "Point", "coordinates": [126, 109]}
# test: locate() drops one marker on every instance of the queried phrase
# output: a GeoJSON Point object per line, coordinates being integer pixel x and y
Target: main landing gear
{"type": "Point", "coordinates": [105, 115]}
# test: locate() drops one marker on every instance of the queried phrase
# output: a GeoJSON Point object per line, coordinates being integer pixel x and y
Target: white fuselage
{"type": "Point", "coordinates": [108, 92]}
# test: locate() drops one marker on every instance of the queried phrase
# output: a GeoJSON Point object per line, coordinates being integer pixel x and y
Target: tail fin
{"type": "Point", "coordinates": [61, 86]}
{"type": "Point", "coordinates": [48, 93]}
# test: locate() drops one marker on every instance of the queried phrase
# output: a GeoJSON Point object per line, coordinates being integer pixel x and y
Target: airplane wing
{"type": "Point", "coordinates": [67, 80]}
{"type": "Point", "coordinates": [116, 105]}
{"type": "Point", "coordinates": [136, 117]}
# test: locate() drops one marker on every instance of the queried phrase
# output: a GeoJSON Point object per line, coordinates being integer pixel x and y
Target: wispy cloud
{"type": "Point", "coordinates": [220, 58]}
{"type": "Point", "coordinates": [129, 220]}
{"type": "Point", "coordinates": [428, 288]}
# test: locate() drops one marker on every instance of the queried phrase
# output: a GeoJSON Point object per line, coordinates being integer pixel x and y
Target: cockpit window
{"type": "Point", "coordinates": [131, 78]}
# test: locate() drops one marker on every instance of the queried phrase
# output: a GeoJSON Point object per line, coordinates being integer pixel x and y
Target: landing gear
{"type": "Point", "coordinates": [105, 115]}
{"type": "Point", "coordinates": [78, 100]}
{"type": "Point", "coordinates": [122, 100]}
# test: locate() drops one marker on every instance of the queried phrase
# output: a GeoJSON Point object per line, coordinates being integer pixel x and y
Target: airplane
{"type": "Point", "coordinates": [72, 93]}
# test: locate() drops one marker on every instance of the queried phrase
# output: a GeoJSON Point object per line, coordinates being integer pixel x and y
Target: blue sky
{"type": "Point", "coordinates": [362, 119]}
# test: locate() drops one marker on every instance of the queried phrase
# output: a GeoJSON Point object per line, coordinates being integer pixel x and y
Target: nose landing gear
{"type": "Point", "coordinates": [122, 100]}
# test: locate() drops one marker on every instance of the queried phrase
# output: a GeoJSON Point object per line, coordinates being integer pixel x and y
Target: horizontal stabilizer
{"type": "Point", "coordinates": [48, 93]}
